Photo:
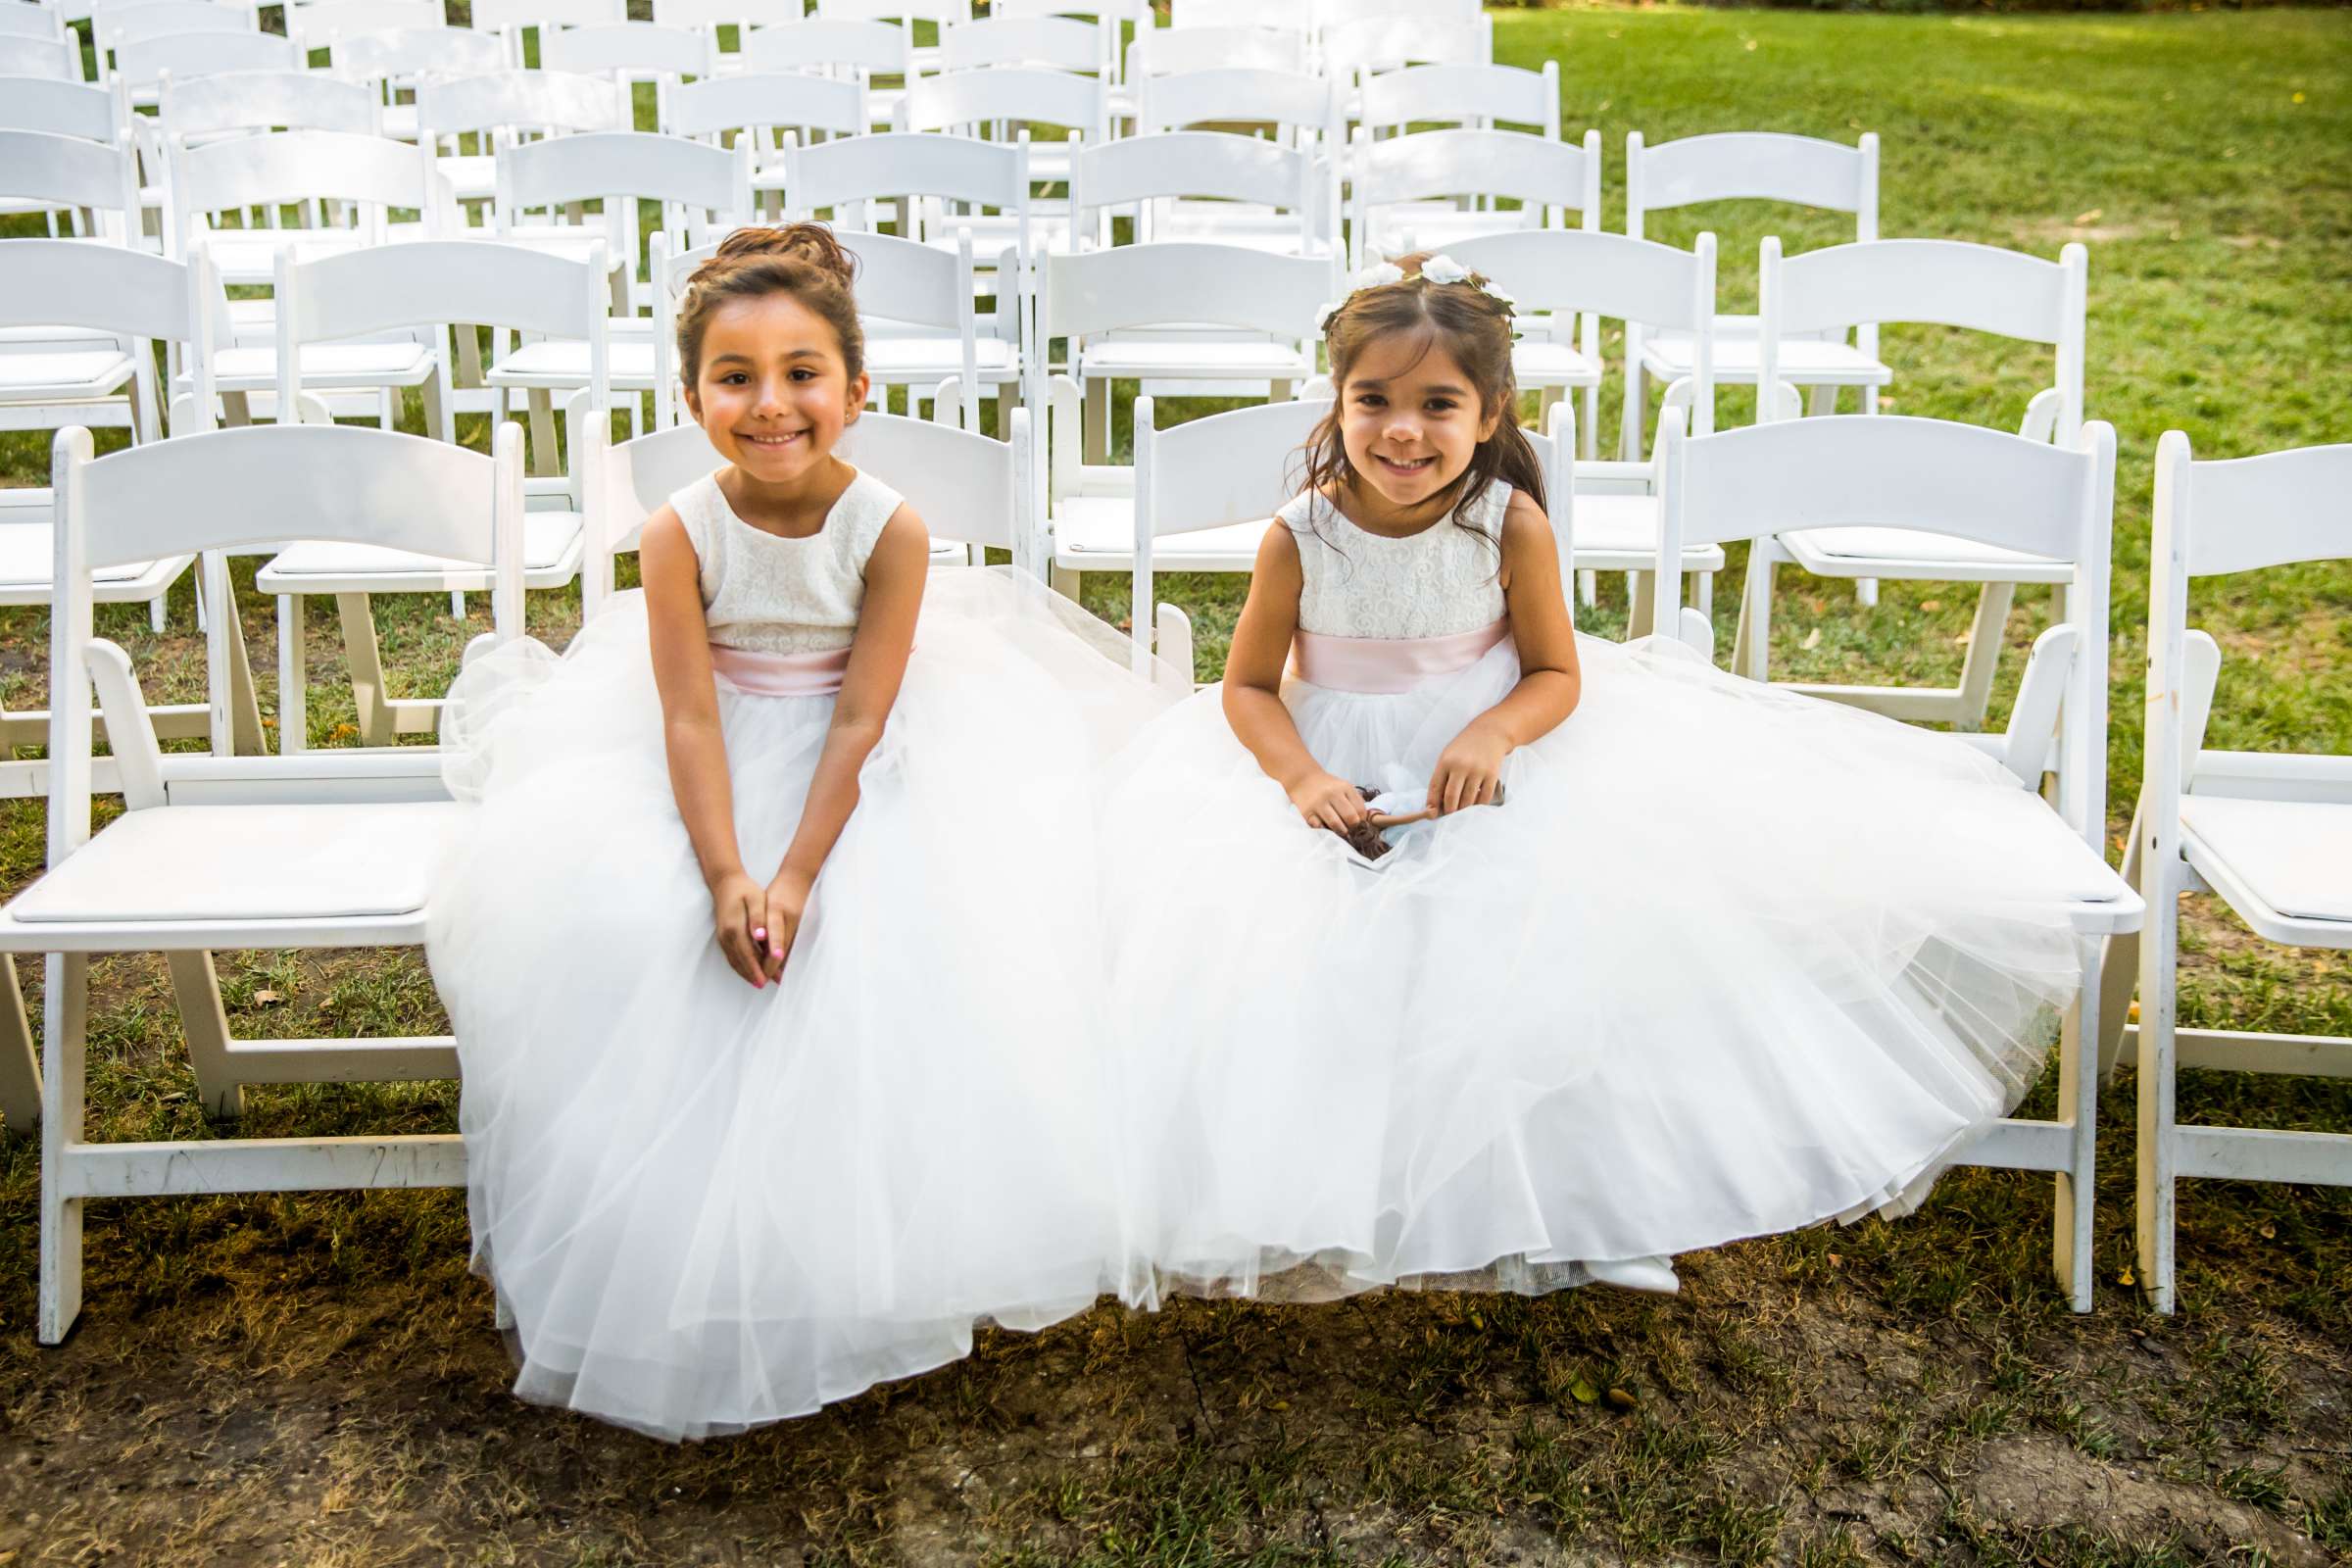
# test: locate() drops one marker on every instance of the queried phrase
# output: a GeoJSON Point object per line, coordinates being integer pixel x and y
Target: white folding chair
{"type": "Point", "coordinates": [924, 329]}
{"type": "Point", "coordinates": [1206, 185]}
{"type": "Point", "coordinates": [31, 21]}
{"type": "Point", "coordinates": [1356, 49]}
{"type": "Point", "coordinates": [999, 102]}
{"type": "Point", "coordinates": [1429, 189]}
{"type": "Point", "coordinates": [1465, 97]}
{"type": "Point", "coordinates": [51, 59]}
{"type": "Point", "coordinates": [2268, 833]}
{"type": "Point", "coordinates": [830, 46]}
{"type": "Point", "coordinates": [1296, 106]}
{"type": "Point", "coordinates": [91, 182]}
{"type": "Point", "coordinates": [505, 108]}
{"type": "Point", "coordinates": [113, 28]}
{"type": "Point", "coordinates": [763, 108]}
{"type": "Point", "coordinates": [1181, 51]}
{"type": "Point", "coordinates": [395, 60]}
{"type": "Point", "coordinates": [1566, 282]}
{"type": "Point", "coordinates": [135, 300]}
{"type": "Point", "coordinates": [1809, 303]}
{"type": "Point", "coordinates": [634, 52]}
{"type": "Point", "coordinates": [1178, 319]}
{"type": "Point", "coordinates": [237, 853]}
{"type": "Point", "coordinates": [1205, 490]}
{"type": "Point", "coordinates": [903, 14]}
{"type": "Point", "coordinates": [978, 489]}
{"type": "Point", "coordinates": [944, 186]}
{"type": "Point", "coordinates": [427, 288]}
{"type": "Point", "coordinates": [1302, 17]}
{"type": "Point", "coordinates": [1749, 165]}
{"type": "Point", "coordinates": [740, 15]}
{"type": "Point", "coordinates": [238, 103]}
{"type": "Point", "coordinates": [141, 65]}
{"type": "Point", "coordinates": [1936, 477]}
{"type": "Point", "coordinates": [323, 24]}
{"type": "Point", "coordinates": [87, 111]}
{"type": "Point", "coordinates": [370, 176]}
{"type": "Point", "coordinates": [514, 20]}
{"type": "Point", "coordinates": [1048, 42]}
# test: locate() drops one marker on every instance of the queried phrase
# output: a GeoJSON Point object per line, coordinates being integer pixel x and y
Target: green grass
{"type": "Point", "coordinates": [313, 1377]}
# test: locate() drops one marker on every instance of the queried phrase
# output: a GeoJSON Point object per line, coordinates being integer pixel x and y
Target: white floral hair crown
{"type": "Point", "coordinates": [1438, 269]}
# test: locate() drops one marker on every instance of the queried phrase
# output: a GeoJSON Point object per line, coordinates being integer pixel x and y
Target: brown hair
{"type": "Point", "coordinates": [803, 260]}
{"type": "Point", "coordinates": [1475, 328]}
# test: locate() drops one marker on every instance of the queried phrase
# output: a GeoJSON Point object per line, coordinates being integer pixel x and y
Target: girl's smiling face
{"type": "Point", "coordinates": [774, 392]}
{"type": "Point", "coordinates": [1410, 421]}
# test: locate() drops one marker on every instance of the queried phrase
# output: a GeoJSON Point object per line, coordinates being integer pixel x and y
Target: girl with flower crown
{"type": "Point", "coordinates": [771, 943]}
{"type": "Point", "coordinates": [1672, 958]}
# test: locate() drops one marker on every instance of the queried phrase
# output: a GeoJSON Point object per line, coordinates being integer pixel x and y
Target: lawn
{"type": "Point", "coordinates": [318, 1380]}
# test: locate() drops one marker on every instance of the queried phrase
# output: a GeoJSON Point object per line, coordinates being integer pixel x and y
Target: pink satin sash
{"type": "Point", "coordinates": [1389, 665]}
{"type": "Point", "coordinates": [760, 675]}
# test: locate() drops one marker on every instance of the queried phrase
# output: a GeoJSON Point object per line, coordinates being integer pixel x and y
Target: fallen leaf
{"type": "Point", "coordinates": [1966, 637]}
{"type": "Point", "coordinates": [1929, 606]}
{"type": "Point", "coordinates": [1582, 1391]}
{"type": "Point", "coordinates": [1279, 1404]}
{"type": "Point", "coordinates": [2126, 1277]}
{"type": "Point", "coordinates": [265, 996]}
{"type": "Point", "coordinates": [1812, 640]}
{"type": "Point", "coordinates": [1749, 44]}
{"type": "Point", "coordinates": [2084, 220]}
{"type": "Point", "coordinates": [2298, 98]}
{"type": "Point", "coordinates": [1836, 1261]}
{"type": "Point", "coordinates": [1619, 1399]}
{"type": "Point", "coordinates": [2268, 1232]}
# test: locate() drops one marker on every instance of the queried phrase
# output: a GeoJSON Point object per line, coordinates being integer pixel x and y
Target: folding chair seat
{"type": "Point", "coordinates": [1951, 283]}
{"type": "Point", "coordinates": [1433, 189]}
{"type": "Point", "coordinates": [1756, 165]}
{"type": "Point", "coordinates": [427, 287]}
{"type": "Point", "coordinates": [268, 853]}
{"type": "Point", "coordinates": [1938, 477]}
{"type": "Point", "coordinates": [2267, 833]}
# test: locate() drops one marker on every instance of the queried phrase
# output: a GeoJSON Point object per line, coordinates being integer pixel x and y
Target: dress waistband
{"type": "Point", "coordinates": [763, 674]}
{"type": "Point", "coordinates": [1387, 665]}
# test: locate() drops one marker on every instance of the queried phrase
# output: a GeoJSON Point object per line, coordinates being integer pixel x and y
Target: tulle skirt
{"type": "Point", "coordinates": [1726, 961]}
{"type": "Point", "coordinates": [703, 1205]}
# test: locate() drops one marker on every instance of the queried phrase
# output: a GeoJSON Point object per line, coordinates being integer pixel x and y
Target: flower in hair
{"type": "Point", "coordinates": [1445, 270]}
{"type": "Point", "coordinates": [1380, 274]}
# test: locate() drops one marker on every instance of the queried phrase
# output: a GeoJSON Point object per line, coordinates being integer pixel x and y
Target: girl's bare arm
{"type": "Point", "coordinates": [1253, 666]}
{"type": "Point", "coordinates": [1550, 679]}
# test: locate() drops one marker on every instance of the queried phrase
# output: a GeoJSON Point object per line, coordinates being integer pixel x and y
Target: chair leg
{"type": "Point", "coordinates": [361, 653]}
{"type": "Point", "coordinates": [1587, 587]}
{"type": "Point", "coordinates": [1751, 643]}
{"type": "Point", "coordinates": [1064, 583]}
{"type": "Point", "coordinates": [20, 1068]}
{"type": "Point", "coordinates": [2120, 966]}
{"type": "Point", "coordinates": [1642, 596]}
{"type": "Point", "coordinates": [65, 1030]}
{"type": "Point", "coordinates": [197, 989]}
{"type": "Point", "coordinates": [1985, 636]}
{"type": "Point", "coordinates": [2079, 1106]}
{"type": "Point", "coordinates": [158, 614]}
{"type": "Point", "coordinates": [293, 677]}
{"type": "Point", "coordinates": [1098, 426]}
{"type": "Point", "coordinates": [244, 702]}
{"type": "Point", "coordinates": [543, 433]}
{"type": "Point", "coordinates": [2159, 1138]}
{"type": "Point", "coordinates": [456, 604]}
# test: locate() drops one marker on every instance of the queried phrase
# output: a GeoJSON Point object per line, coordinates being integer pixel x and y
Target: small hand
{"type": "Point", "coordinates": [1328, 801]}
{"type": "Point", "coordinates": [739, 910]}
{"type": "Point", "coordinates": [1468, 770]}
{"type": "Point", "coordinates": [787, 900]}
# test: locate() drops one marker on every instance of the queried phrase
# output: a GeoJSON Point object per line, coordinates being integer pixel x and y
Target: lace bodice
{"type": "Point", "coordinates": [775, 595]}
{"type": "Point", "coordinates": [1435, 583]}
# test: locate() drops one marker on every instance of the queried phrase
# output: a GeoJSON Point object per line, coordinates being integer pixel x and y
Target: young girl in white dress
{"type": "Point", "coordinates": [771, 947]}
{"type": "Point", "coordinates": [1680, 958]}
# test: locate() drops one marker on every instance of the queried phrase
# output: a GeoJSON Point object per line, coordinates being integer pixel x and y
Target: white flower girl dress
{"type": "Point", "coordinates": [1726, 961]}
{"type": "Point", "coordinates": [705, 1205]}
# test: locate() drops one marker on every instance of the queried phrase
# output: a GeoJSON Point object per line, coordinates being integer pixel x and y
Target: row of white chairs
{"type": "Point", "coordinates": [329, 850]}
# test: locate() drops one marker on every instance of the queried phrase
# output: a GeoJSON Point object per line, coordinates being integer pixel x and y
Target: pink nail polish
{"type": "Point", "coordinates": [759, 933]}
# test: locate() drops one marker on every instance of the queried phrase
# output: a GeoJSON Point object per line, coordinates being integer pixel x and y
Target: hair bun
{"type": "Point", "coordinates": [809, 243]}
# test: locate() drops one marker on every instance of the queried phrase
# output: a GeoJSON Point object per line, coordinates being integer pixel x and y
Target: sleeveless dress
{"type": "Point", "coordinates": [1726, 961]}
{"type": "Point", "coordinates": [707, 1206]}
